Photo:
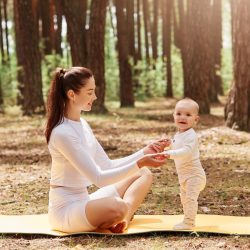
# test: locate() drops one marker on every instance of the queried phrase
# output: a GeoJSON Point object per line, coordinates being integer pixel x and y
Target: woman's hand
{"type": "Point", "coordinates": [157, 146]}
{"type": "Point", "coordinates": [152, 161]}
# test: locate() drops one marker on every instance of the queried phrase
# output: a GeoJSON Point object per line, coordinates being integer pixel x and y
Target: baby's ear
{"type": "Point", "coordinates": [197, 119]}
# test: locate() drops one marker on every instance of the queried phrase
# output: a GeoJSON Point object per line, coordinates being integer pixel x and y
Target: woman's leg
{"type": "Point", "coordinates": [134, 189]}
{"type": "Point", "coordinates": [115, 213]}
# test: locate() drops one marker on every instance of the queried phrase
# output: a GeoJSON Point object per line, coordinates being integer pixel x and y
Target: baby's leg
{"type": "Point", "coordinates": [192, 188]}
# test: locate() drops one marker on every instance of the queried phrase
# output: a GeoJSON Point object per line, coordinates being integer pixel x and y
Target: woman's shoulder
{"type": "Point", "coordinates": [60, 131]}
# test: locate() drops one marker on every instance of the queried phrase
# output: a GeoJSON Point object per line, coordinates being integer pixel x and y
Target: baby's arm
{"type": "Point", "coordinates": [187, 149]}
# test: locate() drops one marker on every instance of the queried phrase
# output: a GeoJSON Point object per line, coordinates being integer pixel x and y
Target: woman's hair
{"type": "Point", "coordinates": [73, 78]}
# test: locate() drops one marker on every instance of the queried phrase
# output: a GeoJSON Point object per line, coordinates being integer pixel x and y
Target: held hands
{"type": "Point", "coordinates": [154, 148]}
{"type": "Point", "coordinates": [157, 146]}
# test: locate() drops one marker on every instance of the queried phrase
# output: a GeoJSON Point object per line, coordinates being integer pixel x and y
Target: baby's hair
{"type": "Point", "coordinates": [194, 103]}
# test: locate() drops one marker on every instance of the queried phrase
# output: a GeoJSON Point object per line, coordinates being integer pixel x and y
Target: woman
{"type": "Point", "coordinates": [79, 160]}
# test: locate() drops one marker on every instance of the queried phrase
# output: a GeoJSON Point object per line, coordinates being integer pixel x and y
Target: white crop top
{"type": "Point", "coordinates": [78, 159]}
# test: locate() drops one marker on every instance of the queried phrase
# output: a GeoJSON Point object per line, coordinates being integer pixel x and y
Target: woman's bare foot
{"type": "Point", "coordinates": [119, 228]}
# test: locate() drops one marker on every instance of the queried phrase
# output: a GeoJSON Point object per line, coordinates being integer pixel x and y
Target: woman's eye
{"type": "Point", "coordinates": [188, 114]}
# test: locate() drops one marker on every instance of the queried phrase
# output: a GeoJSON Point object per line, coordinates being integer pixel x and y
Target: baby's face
{"type": "Point", "coordinates": [185, 115]}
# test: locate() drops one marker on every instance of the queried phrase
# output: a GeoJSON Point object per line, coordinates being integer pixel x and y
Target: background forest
{"type": "Point", "coordinates": [137, 49]}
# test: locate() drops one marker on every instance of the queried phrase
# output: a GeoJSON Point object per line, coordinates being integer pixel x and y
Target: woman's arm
{"type": "Point", "coordinates": [71, 148]}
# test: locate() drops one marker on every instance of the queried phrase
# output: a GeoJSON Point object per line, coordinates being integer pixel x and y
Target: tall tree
{"type": "Point", "coordinates": [196, 51]}
{"type": "Point", "coordinates": [217, 43]}
{"type": "Point", "coordinates": [1, 35]}
{"type": "Point", "coordinates": [58, 31]}
{"type": "Point", "coordinates": [167, 8]}
{"type": "Point", "coordinates": [47, 17]}
{"type": "Point", "coordinates": [146, 20]}
{"type": "Point", "coordinates": [6, 30]}
{"type": "Point", "coordinates": [216, 33]}
{"type": "Point", "coordinates": [28, 58]}
{"type": "Point", "coordinates": [75, 14]}
{"type": "Point", "coordinates": [131, 29]}
{"type": "Point", "coordinates": [138, 26]}
{"type": "Point", "coordinates": [154, 29]}
{"type": "Point", "coordinates": [237, 111]}
{"type": "Point", "coordinates": [96, 50]}
{"type": "Point", "coordinates": [125, 72]}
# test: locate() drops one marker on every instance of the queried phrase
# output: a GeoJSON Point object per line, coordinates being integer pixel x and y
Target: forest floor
{"type": "Point", "coordinates": [25, 173]}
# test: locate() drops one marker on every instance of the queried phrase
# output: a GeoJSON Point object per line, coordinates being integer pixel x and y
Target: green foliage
{"type": "Point", "coordinates": [8, 78]}
{"type": "Point", "coordinates": [148, 80]}
{"type": "Point", "coordinates": [49, 64]}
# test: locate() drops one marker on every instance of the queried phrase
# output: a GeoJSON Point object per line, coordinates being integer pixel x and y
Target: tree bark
{"type": "Point", "coordinates": [138, 26]}
{"type": "Point", "coordinates": [29, 59]}
{"type": "Point", "coordinates": [75, 14]}
{"type": "Point", "coordinates": [1, 35]}
{"type": "Point", "coordinates": [146, 28]}
{"type": "Point", "coordinates": [96, 50]}
{"type": "Point", "coordinates": [131, 29]}
{"type": "Point", "coordinates": [166, 8]}
{"type": "Point", "coordinates": [217, 40]}
{"type": "Point", "coordinates": [47, 26]}
{"type": "Point", "coordinates": [125, 72]}
{"type": "Point", "coordinates": [58, 31]}
{"type": "Point", "coordinates": [196, 53]}
{"type": "Point", "coordinates": [237, 111]}
{"type": "Point", "coordinates": [154, 30]}
{"type": "Point", "coordinates": [6, 31]}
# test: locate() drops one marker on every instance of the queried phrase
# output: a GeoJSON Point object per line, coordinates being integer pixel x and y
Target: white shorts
{"type": "Point", "coordinates": [67, 207]}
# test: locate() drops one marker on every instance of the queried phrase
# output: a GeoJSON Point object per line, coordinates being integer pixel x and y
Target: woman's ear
{"type": "Point", "coordinates": [71, 95]}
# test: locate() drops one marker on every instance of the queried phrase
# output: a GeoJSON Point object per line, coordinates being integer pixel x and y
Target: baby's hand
{"type": "Point", "coordinates": [165, 142]}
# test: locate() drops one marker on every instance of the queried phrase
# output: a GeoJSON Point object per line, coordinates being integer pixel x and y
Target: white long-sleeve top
{"type": "Point", "coordinates": [184, 150]}
{"type": "Point", "coordinates": [78, 159]}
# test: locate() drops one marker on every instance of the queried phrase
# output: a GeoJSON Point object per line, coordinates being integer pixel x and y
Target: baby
{"type": "Point", "coordinates": [185, 153]}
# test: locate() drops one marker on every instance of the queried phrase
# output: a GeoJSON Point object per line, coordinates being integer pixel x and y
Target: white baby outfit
{"type": "Point", "coordinates": [192, 178]}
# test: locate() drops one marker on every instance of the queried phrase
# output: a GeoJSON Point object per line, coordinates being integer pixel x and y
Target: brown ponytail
{"type": "Point", "coordinates": [74, 78]}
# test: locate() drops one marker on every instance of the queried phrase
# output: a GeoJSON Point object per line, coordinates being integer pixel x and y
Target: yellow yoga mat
{"type": "Point", "coordinates": [38, 224]}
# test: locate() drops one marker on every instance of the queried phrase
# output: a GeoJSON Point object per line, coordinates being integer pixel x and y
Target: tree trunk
{"type": "Point", "coordinates": [29, 59]}
{"type": "Point", "coordinates": [146, 28]}
{"type": "Point", "coordinates": [1, 96]}
{"type": "Point", "coordinates": [47, 26]}
{"type": "Point", "coordinates": [237, 111]}
{"type": "Point", "coordinates": [58, 31]}
{"type": "Point", "coordinates": [126, 86]}
{"type": "Point", "coordinates": [131, 29]}
{"type": "Point", "coordinates": [138, 25]}
{"type": "Point", "coordinates": [166, 8]}
{"type": "Point", "coordinates": [217, 45]}
{"type": "Point", "coordinates": [196, 49]}
{"type": "Point", "coordinates": [75, 14]}
{"type": "Point", "coordinates": [1, 35]}
{"type": "Point", "coordinates": [154, 32]}
{"type": "Point", "coordinates": [6, 30]}
{"type": "Point", "coordinates": [96, 50]}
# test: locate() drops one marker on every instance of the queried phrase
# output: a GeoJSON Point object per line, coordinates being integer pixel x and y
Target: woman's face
{"type": "Point", "coordinates": [85, 98]}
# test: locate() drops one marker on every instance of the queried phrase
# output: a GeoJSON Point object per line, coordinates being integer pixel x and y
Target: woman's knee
{"type": "Point", "coordinates": [145, 172]}
{"type": "Point", "coordinates": [117, 209]}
